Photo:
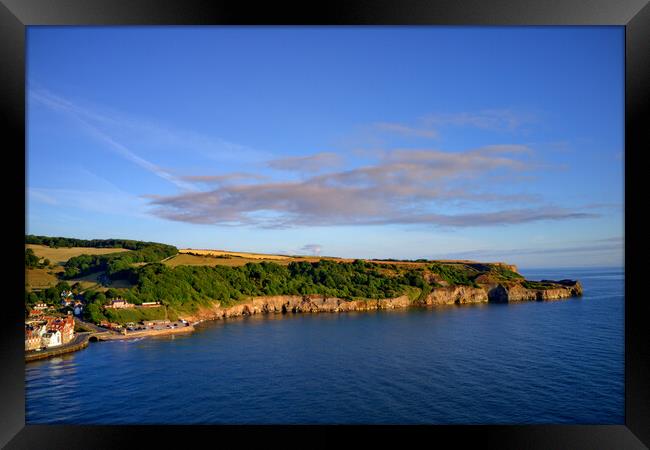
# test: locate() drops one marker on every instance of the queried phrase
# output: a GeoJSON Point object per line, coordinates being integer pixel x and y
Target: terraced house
{"type": "Point", "coordinates": [33, 336]}
{"type": "Point", "coordinates": [65, 326]}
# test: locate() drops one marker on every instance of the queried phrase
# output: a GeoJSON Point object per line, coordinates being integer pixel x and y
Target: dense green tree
{"type": "Point", "coordinates": [112, 293]}
{"type": "Point", "coordinates": [62, 286]}
{"type": "Point", "coordinates": [31, 260]}
{"type": "Point", "coordinates": [100, 299]}
{"type": "Point", "coordinates": [93, 313]}
{"type": "Point", "coordinates": [184, 286]}
{"type": "Point", "coordinates": [117, 265]}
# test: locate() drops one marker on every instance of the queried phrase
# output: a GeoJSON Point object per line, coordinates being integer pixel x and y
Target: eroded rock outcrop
{"type": "Point", "coordinates": [456, 295]}
{"type": "Point", "coordinates": [445, 295]}
{"type": "Point", "coordinates": [552, 290]}
{"type": "Point", "coordinates": [295, 304]}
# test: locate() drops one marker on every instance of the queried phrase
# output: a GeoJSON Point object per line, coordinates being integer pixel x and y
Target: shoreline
{"type": "Point", "coordinates": [61, 349]}
{"type": "Point", "coordinates": [112, 336]}
{"type": "Point", "coordinates": [84, 338]}
{"type": "Point", "coordinates": [456, 295]}
{"type": "Point", "coordinates": [295, 304]}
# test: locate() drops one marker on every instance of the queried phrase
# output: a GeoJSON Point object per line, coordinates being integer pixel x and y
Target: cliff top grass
{"type": "Point", "coordinates": [538, 284]}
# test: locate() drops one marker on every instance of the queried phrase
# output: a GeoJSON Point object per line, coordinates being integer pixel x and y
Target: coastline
{"type": "Point", "coordinates": [79, 342]}
{"type": "Point", "coordinates": [419, 337]}
{"type": "Point", "coordinates": [82, 340]}
{"type": "Point", "coordinates": [283, 304]}
{"type": "Point", "coordinates": [112, 336]}
{"type": "Point", "coordinates": [453, 295]}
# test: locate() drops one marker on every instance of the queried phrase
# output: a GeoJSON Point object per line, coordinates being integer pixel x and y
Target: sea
{"type": "Point", "coordinates": [519, 363]}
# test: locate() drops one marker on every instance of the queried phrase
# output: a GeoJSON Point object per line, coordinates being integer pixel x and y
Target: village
{"type": "Point", "coordinates": [52, 327]}
{"type": "Point", "coordinates": [47, 327]}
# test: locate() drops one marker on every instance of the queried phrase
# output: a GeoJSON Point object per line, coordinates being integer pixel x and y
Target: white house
{"type": "Point", "coordinates": [51, 338]}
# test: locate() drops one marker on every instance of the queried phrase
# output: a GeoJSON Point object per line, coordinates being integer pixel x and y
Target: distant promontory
{"type": "Point", "coordinates": [197, 285]}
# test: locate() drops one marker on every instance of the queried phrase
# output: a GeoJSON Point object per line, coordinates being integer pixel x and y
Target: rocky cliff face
{"type": "Point", "coordinates": [447, 295]}
{"type": "Point", "coordinates": [516, 292]}
{"type": "Point", "coordinates": [456, 295]}
{"type": "Point", "coordinates": [502, 293]}
{"type": "Point", "coordinates": [296, 304]}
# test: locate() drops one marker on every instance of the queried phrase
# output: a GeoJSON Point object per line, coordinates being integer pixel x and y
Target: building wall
{"type": "Point", "coordinates": [52, 339]}
{"type": "Point", "coordinates": [33, 343]}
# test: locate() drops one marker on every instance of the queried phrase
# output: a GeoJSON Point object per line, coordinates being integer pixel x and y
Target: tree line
{"type": "Point", "coordinates": [32, 261]}
{"type": "Point", "coordinates": [116, 265]}
{"type": "Point", "coordinates": [56, 242]}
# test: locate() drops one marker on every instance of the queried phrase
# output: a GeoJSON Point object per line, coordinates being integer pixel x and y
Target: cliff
{"type": "Point", "coordinates": [447, 295]}
{"type": "Point", "coordinates": [552, 290]}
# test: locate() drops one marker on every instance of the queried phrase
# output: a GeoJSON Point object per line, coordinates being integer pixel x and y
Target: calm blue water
{"type": "Point", "coordinates": [534, 362]}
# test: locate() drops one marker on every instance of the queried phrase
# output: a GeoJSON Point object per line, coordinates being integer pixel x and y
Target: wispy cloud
{"type": "Point", "coordinates": [143, 163]}
{"type": "Point", "coordinates": [123, 134]}
{"type": "Point", "coordinates": [407, 130]}
{"type": "Point", "coordinates": [91, 121]}
{"type": "Point", "coordinates": [403, 187]}
{"type": "Point", "coordinates": [490, 119]}
{"type": "Point", "coordinates": [41, 195]}
{"type": "Point", "coordinates": [429, 126]}
{"type": "Point", "coordinates": [312, 163]}
{"type": "Point", "coordinates": [225, 178]}
{"type": "Point", "coordinates": [314, 249]}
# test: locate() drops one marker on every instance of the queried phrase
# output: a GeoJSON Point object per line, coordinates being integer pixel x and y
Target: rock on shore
{"type": "Point", "coordinates": [516, 292]}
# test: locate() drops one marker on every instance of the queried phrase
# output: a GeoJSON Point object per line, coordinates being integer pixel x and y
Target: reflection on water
{"type": "Point", "coordinates": [529, 362]}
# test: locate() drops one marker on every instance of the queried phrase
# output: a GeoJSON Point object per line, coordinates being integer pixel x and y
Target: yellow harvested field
{"type": "Point", "coordinates": [221, 258]}
{"type": "Point", "coordinates": [62, 254]}
{"type": "Point", "coordinates": [233, 254]}
{"type": "Point", "coordinates": [184, 259]}
{"type": "Point", "coordinates": [42, 279]}
{"type": "Point", "coordinates": [39, 278]}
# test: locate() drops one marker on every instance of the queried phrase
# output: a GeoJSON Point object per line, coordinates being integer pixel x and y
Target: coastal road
{"type": "Point", "coordinates": [90, 326]}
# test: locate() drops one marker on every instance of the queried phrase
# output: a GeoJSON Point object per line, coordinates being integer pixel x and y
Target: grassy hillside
{"type": "Point", "coordinates": [61, 255]}
{"type": "Point", "coordinates": [86, 263]}
{"type": "Point", "coordinates": [42, 278]}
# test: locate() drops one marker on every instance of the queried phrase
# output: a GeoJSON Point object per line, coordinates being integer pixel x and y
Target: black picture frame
{"type": "Point", "coordinates": [634, 15]}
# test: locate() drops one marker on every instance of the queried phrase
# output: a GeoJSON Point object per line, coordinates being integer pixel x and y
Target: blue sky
{"type": "Point", "coordinates": [488, 143]}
